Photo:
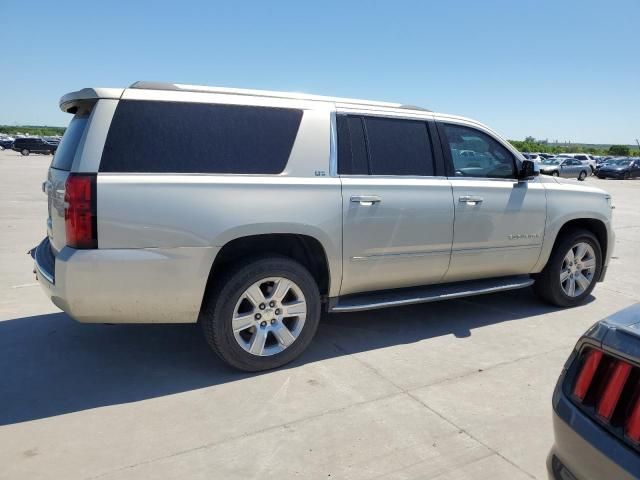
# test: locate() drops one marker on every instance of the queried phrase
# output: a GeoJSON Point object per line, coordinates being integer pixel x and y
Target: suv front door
{"type": "Point", "coordinates": [397, 214]}
{"type": "Point", "coordinates": [499, 221]}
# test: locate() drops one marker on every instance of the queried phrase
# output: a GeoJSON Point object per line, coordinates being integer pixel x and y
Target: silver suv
{"type": "Point", "coordinates": [251, 211]}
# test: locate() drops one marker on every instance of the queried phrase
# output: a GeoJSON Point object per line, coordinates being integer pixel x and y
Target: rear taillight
{"type": "Point", "coordinates": [80, 211]}
{"type": "Point", "coordinates": [608, 389]}
{"type": "Point", "coordinates": [632, 428]}
{"type": "Point", "coordinates": [613, 389]}
{"type": "Point", "coordinates": [587, 372]}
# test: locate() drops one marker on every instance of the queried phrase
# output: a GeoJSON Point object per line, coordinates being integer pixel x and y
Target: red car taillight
{"type": "Point", "coordinates": [609, 390]}
{"type": "Point", "coordinates": [588, 371]}
{"type": "Point", "coordinates": [80, 211]}
{"type": "Point", "coordinates": [613, 389]}
{"type": "Point", "coordinates": [632, 428]}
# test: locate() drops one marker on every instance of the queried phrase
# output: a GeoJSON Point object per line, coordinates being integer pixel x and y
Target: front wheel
{"type": "Point", "coordinates": [582, 176]}
{"type": "Point", "coordinates": [25, 152]}
{"type": "Point", "coordinates": [555, 174]}
{"type": "Point", "coordinates": [572, 270]}
{"type": "Point", "coordinates": [262, 314]}
{"type": "Point", "coordinates": [627, 176]}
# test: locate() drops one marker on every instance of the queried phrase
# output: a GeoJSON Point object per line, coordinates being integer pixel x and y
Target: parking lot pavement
{"type": "Point", "coordinates": [457, 389]}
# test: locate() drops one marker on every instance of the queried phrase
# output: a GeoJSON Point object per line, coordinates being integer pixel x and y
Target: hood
{"type": "Point", "coordinates": [576, 184]}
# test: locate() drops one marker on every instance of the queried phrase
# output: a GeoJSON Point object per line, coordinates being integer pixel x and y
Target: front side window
{"type": "Point", "coordinates": [476, 154]}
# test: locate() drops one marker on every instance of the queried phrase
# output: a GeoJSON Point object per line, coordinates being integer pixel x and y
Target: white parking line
{"type": "Point", "coordinates": [25, 285]}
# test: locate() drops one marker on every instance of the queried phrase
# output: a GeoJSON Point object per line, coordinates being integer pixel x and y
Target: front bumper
{"type": "Point", "coordinates": [611, 174]}
{"type": "Point", "coordinates": [145, 285]}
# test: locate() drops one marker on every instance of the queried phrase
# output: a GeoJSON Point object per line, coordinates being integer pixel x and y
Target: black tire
{"type": "Point", "coordinates": [219, 304]}
{"type": "Point", "coordinates": [582, 176]}
{"type": "Point", "coordinates": [25, 152]}
{"type": "Point", "coordinates": [547, 283]}
{"type": "Point", "coordinates": [626, 176]}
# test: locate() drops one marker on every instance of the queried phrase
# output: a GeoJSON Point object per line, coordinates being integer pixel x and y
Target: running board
{"type": "Point", "coordinates": [430, 293]}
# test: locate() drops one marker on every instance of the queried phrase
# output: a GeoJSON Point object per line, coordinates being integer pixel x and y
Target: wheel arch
{"type": "Point", "coordinates": [593, 225]}
{"type": "Point", "coordinates": [305, 249]}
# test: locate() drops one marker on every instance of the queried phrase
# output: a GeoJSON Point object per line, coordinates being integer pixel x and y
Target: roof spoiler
{"type": "Point", "coordinates": [69, 103]}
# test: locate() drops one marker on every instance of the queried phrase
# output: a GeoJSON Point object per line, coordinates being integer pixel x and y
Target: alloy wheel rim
{"type": "Point", "coordinates": [578, 269]}
{"type": "Point", "coordinates": [269, 316]}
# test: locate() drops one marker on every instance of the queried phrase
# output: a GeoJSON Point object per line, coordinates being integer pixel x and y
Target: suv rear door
{"type": "Point", "coordinates": [499, 221]}
{"type": "Point", "coordinates": [397, 213]}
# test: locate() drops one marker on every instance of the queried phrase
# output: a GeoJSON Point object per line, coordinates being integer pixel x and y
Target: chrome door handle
{"type": "Point", "coordinates": [366, 200]}
{"type": "Point", "coordinates": [470, 199]}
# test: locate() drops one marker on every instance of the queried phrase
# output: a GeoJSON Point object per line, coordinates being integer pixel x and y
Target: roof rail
{"type": "Point", "coordinates": [266, 93]}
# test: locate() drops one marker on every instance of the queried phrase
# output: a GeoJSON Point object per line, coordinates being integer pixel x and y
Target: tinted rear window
{"type": "Point", "coordinates": [352, 149]}
{"type": "Point", "coordinates": [69, 143]}
{"type": "Point", "coordinates": [398, 147]}
{"type": "Point", "coordinates": [176, 137]}
{"type": "Point", "coordinates": [383, 146]}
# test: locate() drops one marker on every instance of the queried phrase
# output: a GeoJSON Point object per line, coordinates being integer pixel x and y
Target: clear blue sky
{"type": "Point", "coordinates": [566, 70]}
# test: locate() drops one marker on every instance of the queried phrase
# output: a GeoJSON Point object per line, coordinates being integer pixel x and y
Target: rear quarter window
{"type": "Point", "coordinates": [180, 137]}
{"type": "Point", "coordinates": [66, 150]}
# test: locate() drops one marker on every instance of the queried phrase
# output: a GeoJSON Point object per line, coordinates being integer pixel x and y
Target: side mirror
{"type": "Point", "coordinates": [528, 169]}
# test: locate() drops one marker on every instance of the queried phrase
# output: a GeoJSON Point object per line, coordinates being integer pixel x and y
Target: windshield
{"type": "Point", "coordinates": [619, 163]}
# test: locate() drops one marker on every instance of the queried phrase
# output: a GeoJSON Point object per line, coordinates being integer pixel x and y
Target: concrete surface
{"type": "Point", "coordinates": [454, 390]}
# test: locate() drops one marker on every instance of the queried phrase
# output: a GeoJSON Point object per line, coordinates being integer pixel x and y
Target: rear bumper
{"type": "Point", "coordinates": [586, 450]}
{"type": "Point", "coordinates": [146, 285]}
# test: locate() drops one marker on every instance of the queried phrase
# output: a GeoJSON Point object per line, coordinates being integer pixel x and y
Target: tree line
{"type": "Point", "coordinates": [530, 144]}
{"type": "Point", "coordinates": [31, 130]}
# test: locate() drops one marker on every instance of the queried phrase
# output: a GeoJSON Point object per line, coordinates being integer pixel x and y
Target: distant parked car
{"type": "Point", "coordinates": [564, 167]}
{"type": "Point", "coordinates": [596, 404]}
{"type": "Point", "coordinates": [534, 157]}
{"type": "Point", "coordinates": [6, 142]}
{"type": "Point", "coordinates": [29, 145]}
{"type": "Point", "coordinates": [607, 160]}
{"type": "Point", "coordinates": [586, 159]}
{"type": "Point", "coordinates": [621, 169]}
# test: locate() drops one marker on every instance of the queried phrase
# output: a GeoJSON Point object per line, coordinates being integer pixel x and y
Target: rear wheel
{"type": "Point", "coordinates": [572, 270]}
{"type": "Point", "coordinates": [261, 314]}
{"type": "Point", "coordinates": [25, 152]}
{"type": "Point", "coordinates": [582, 176]}
{"type": "Point", "coordinates": [1, 148]}
{"type": "Point", "coordinates": [555, 174]}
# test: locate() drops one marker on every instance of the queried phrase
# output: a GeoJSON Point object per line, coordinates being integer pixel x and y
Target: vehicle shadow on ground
{"type": "Point", "coordinates": [52, 365]}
